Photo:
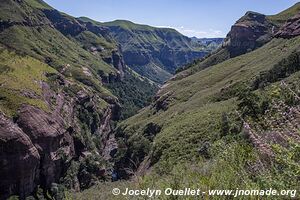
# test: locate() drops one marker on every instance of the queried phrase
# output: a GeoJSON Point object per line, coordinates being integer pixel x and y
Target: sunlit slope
{"type": "Point", "coordinates": [188, 111]}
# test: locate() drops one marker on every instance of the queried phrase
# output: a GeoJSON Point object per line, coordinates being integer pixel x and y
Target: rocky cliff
{"type": "Point", "coordinates": [291, 28]}
{"type": "Point", "coordinates": [20, 160]}
{"type": "Point", "coordinates": [248, 33]}
{"type": "Point", "coordinates": [41, 145]}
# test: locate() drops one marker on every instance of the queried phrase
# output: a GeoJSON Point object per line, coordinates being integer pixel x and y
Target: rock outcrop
{"type": "Point", "coordinates": [291, 28]}
{"type": "Point", "coordinates": [50, 136]}
{"type": "Point", "coordinates": [248, 33]}
{"type": "Point", "coordinates": [38, 146]}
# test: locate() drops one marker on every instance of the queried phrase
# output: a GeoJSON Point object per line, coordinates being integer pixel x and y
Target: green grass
{"type": "Point", "coordinates": [89, 39]}
{"type": "Point", "coordinates": [18, 11]}
{"type": "Point", "coordinates": [49, 43]}
{"type": "Point", "coordinates": [281, 17]}
{"type": "Point", "coordinates": [101, 191]}
{"type": "Point", "coordinates": [21, 75]}
{"type": "Point", "coordinates": [38, 4]}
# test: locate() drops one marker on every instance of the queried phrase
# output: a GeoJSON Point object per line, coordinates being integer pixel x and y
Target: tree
{"type": "Point", "coordinates": [248, 103]}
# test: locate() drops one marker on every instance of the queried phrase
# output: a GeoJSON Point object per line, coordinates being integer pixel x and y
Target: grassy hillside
{"type": "Point", "coordinates": [198, 124]}
{"type": "Point", "coordinates": [19, 77]}
{"type": "Point", "coordinates": [196, 93]}
{"type": "Point", "coordinates": [284, 15]}
{"type": "Point", "coordinates": [203, 140]}
{"type": "Point", "coordinates": [78, 51]}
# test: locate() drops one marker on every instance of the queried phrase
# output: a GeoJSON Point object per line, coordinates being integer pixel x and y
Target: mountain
{"type": "Point", "coordinates": [58, 101]}
{"type": "Point", "coordinates": [228, 121]}
{"type": "Point", "coordinates": [212, 43]}
{"type": "Point", "coordinates": [153, 52]}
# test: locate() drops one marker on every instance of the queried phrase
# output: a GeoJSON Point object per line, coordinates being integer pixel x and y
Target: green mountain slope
{"type": "Point", "coordinates": [154, 52]}
{"type": "Point", "coordinates": [226, 126]}
{"type": "Point", "coordinates": [58, 101]}
{"type": "Point", "coordinates": [81, 51]}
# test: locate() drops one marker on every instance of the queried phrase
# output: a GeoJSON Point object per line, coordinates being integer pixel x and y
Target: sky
{"type": "Point", "coordinates": [200, 18]}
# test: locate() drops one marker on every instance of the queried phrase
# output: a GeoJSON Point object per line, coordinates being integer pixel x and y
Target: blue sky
{"type": "Point", "coordinates": [200, 18]}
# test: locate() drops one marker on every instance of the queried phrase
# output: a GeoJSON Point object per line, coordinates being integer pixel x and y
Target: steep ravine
{"type": "Point", "coordinates": [193, 99]}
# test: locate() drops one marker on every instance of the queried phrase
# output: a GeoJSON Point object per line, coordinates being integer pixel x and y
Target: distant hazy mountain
{"type": "Point", "coordinates": [153, 52]}
{"type": "Point", "coordinates": [211, 43]}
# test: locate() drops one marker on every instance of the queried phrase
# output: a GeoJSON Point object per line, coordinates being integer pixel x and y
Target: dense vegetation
{"type": "Point", "coordinates": [134, 92]}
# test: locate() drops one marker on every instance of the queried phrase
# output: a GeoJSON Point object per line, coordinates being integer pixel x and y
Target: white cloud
{"type": "Point", "coordinates": [210, 33]}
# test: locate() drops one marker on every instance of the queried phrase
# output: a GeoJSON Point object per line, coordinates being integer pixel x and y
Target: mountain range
{"type": "Point", "coordinates": [152, 52]}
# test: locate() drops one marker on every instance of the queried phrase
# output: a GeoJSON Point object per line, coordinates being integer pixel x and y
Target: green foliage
{"type": "Point", "coordinates": [70, 178]}
{"type": "Point", "coordinates": [134, 93]}
{"type": "Point", "coordinates": [248, 103]}
{"type": "Point", "coordinates": [89, 39]}
{"type": "Point", "coordinates": [227, 170]}
{"type": "Point", "coordinates": [283, 69]}
{"type": "Point", "coordinates": [285, 167]}
{"type": "Point", "coordinates": [13, 198]}
{"type": "Point", "coordinates": [102, 191]}
{"type": "Point", "coordinates": [18, 77]}
{"type": "Point", "coordinates": [85, 172]}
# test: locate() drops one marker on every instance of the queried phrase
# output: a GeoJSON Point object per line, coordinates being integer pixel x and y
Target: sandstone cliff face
{"type": "Point", "coordinates": [38, 147]}
{"type": "Point", "coordinates": [19, 160]}
{"type": "Point", "coordinates": [117, 61]}
{"type": "Point", "coordinates": [49, 135]}
{"type": "Point", "coordinates": [291, 28]}
{"type": "Point", "coordinates": [248, 33]}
